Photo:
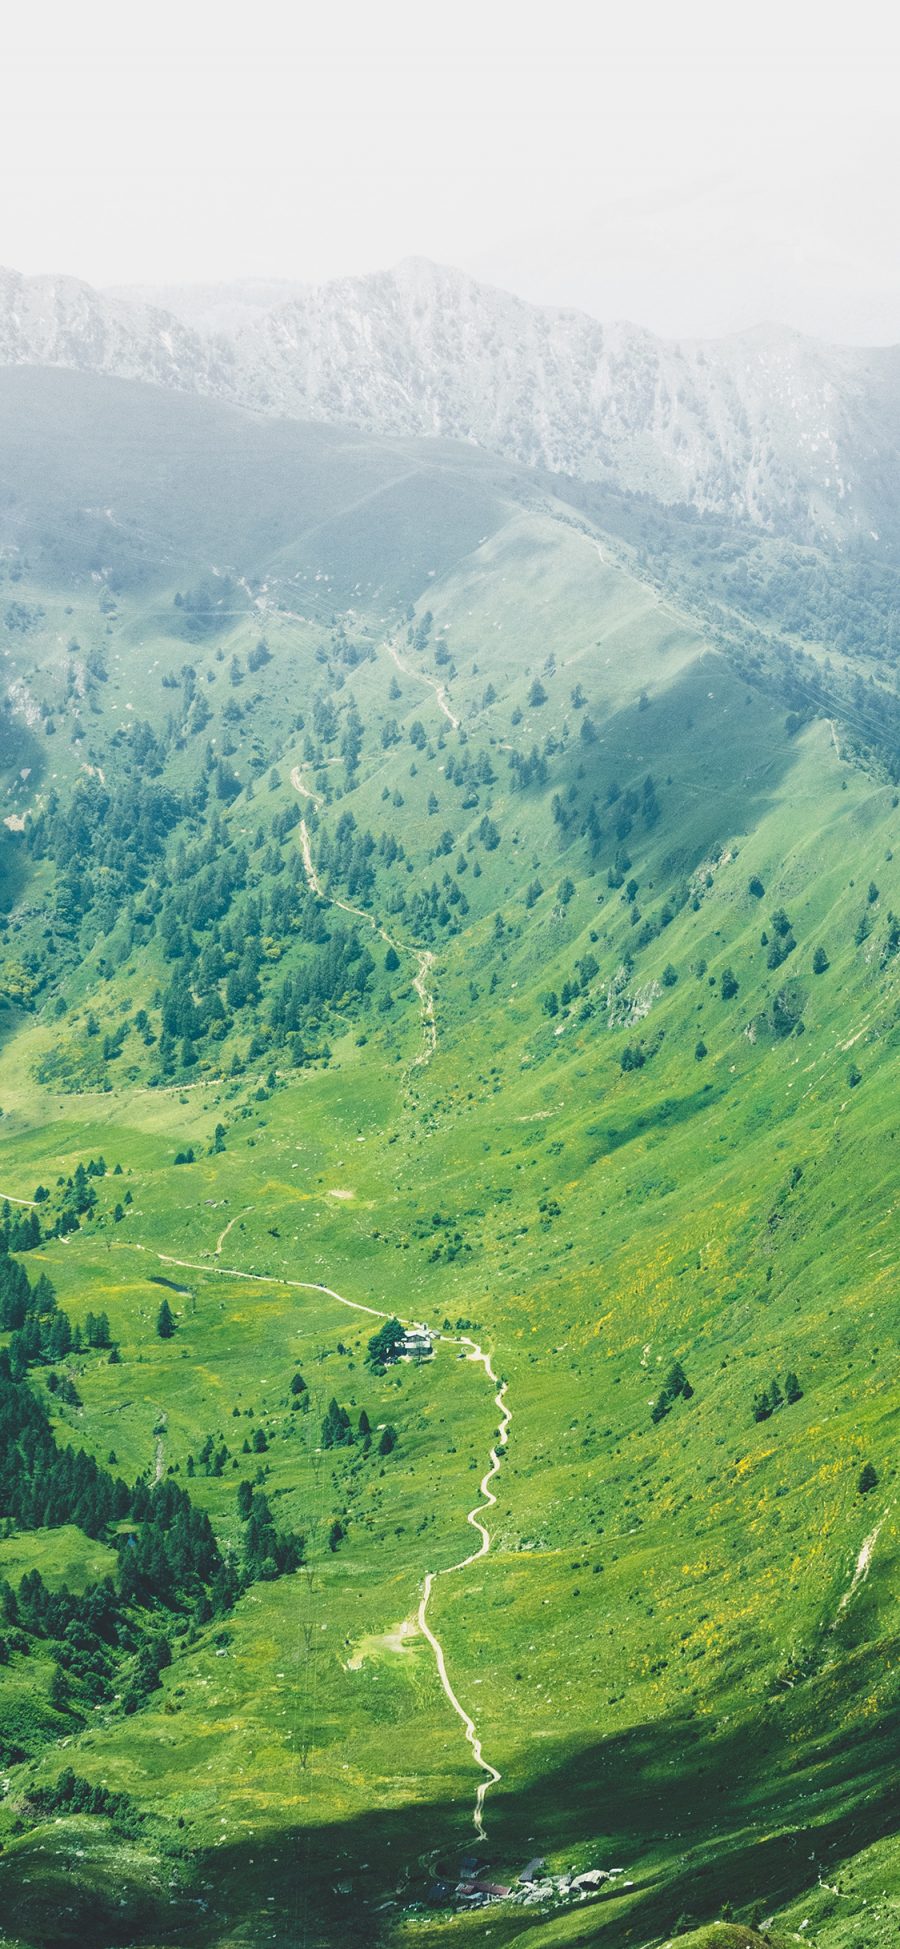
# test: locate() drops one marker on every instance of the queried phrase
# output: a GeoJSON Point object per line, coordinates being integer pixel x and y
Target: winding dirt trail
{"type": "Point", "coordinates": [226, 1229]}
{"type": "Point", "coordinates": [425, 959]}
{"type": "Point", "coordinates": [303, 790]}
{"type": "Point", "coordinates": [440, 690]}
{"type": "Point", "coordinates": [492, 1774]}
{"type": "Point", "coordinates": [422, 956]}
{"type": "Point", "coordinates": [258, 1278]}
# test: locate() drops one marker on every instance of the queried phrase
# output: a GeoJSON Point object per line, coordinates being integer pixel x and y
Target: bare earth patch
{"type": "Point", "coordinates": [394, 1640]}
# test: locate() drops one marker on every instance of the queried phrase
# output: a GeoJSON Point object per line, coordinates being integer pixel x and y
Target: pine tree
{"type": "Point", "coordinates": [383, 1344]}
{"type": "Point", "coordinates": [58, 1694]}
{"type": "Point", "coordinates": [165, 1321]}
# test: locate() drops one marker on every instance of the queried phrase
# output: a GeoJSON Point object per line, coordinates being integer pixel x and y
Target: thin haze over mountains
{"type": "Point", "coordinates": [766, 426]}
{"type": "Point", "coordinates": [697, 170]}
{"type": "Point", "coordinates": [449, 975]}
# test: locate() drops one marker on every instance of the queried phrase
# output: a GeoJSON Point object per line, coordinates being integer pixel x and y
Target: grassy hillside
{"type": "Point", "coordinates": [595, 1067]}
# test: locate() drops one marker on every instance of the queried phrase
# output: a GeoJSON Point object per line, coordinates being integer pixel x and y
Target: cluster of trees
{"type": "Point", "coordinates": [346, 856]}
{"type": "Point", "coordinates": [782, 942]}
{"type": "Point", "coordinates": [22, 616]}
{"type": "Point", "coordinates": [578, 982]}
{"type": "Point", "coordinates": [86, 1632]}
{"type": "Point", "coordinates": [78, 1195]}
{"type": "Point", "coordinates": [153, 1657]}
{"type": "Point", "coordinates": [338, 1431]}
{"type": "Point", "coordinates": [342, 968]}
{"type": "Point", "coordinates": [19, 1232]}
{"type": "Point", "coordinates": [675, 1386]}
{"type": "Point", "coordinates": [336, 1428]}
{"type": "Point", "coordinates": [770, 1399]}
{"type": "Point", "coordinates": [22, 1231]}
{"type": "Point", "coordinates": [212, 1459]}
{"type": "Point", "coordinates": [166, 1547]}
{"type": "Point", "coordinates": [469, 773]}
{"type": "Point", "coordinates": [625, 806]}
{"type": "Point", "coordinates": [435, 907]}
{"type": "Point", "coordinates": [168, 1559]}
{"type": "Point", "coordinates": [43, 1485]}
{"type": "Point", "coordinates": [528, 770]}
{"type": "Point", "coordinates": [204, 610]}
{"type": "Point", "coordinates": [268, 1552]}
{"type": "Point", "coordinates": [169, 1562]}
{"type": "Point", "coordinates": [215, 979]}
{"type": "Point", "coordinates": [105, 841]}
{"type": "Point", "coordinates": [220, 922]}
{"type": "Point", "coordinates": [649, 930]}
{"type": "Point", "coordinates": [385, 1345]}
{"type": "Point", "coordinates": [74, 1795]}
{"type": "Point", "coordinates": [417, 636]}
{"type": "Point", "coordinates": [41, 1333]}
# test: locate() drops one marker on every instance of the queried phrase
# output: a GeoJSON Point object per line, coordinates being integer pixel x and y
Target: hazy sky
{"type": "Point", "coordinates": [695, 167]}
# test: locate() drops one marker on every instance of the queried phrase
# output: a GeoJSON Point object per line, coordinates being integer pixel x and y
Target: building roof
{"type": "Point", "coordinates": [416, 1339]}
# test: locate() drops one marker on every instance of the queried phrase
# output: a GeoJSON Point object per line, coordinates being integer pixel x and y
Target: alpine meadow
{"type": "Point", "coordinates": [449, 1062]}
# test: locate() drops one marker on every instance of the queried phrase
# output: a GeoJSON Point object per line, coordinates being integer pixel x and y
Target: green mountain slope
{"type": "Point", "coordinates": [410, 903]}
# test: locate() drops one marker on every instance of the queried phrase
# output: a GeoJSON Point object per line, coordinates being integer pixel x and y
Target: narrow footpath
{"type": "Point", "coordinates": [419, 676]}
{"type": "Point", "coordinates": [491, 1774]}
{"type": "Point", "coordinates": [422, 956]}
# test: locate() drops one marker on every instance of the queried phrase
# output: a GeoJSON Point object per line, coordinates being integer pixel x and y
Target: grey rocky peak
{"type": "Point", "coordinates": [767, 426]}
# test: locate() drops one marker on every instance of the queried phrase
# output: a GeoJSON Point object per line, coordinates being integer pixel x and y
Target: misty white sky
{"type": "Point", "coordinates": [694, 167]}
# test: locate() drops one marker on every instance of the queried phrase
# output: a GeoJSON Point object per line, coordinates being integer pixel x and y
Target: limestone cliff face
{"type": "Point", "coordinates": [769, 426]}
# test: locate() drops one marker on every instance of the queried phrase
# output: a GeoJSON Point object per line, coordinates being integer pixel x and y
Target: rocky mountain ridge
{"type": "Point", "coordinates": [768, 426]}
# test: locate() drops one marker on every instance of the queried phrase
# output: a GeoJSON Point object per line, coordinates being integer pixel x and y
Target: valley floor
{"type": "Point", "coordinates": [487, 949]}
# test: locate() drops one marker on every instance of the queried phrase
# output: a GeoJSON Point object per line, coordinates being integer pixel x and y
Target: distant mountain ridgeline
{"type": "Point", "coordinates": [770, 427]}
{"type": "Point", "coordinates": [250, 517]}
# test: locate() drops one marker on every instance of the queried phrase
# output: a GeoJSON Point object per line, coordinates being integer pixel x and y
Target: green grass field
{"type": "Point", "coordinates": [679, 1651]}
